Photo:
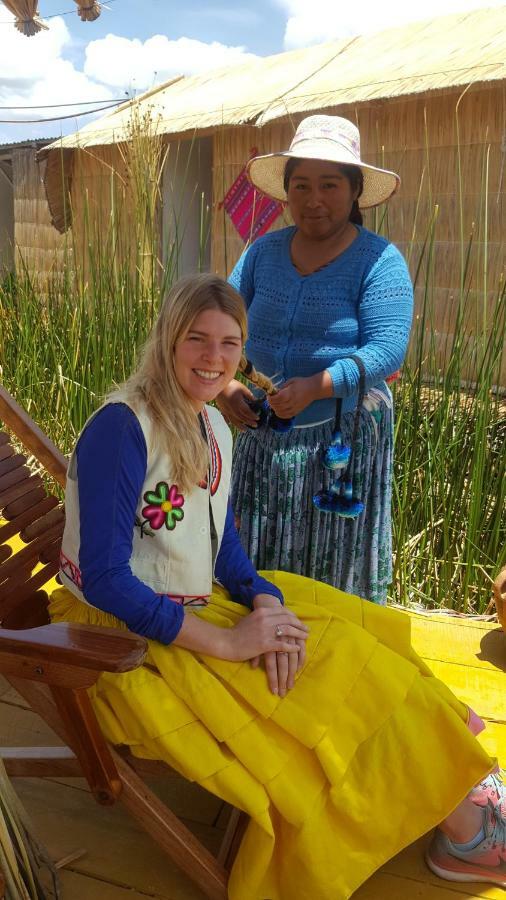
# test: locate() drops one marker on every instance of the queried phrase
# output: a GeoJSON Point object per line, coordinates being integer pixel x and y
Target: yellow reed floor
{"type": "Point", "coordinates": [120, 863]}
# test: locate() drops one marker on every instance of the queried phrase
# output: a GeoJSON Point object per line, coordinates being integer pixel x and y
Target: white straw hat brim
{"type": "Point", "coordinates": [267, 174]}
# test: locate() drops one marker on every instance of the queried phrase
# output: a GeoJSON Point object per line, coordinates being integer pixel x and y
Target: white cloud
{"type": "Point", "coordinates": [124, 63]}
{"type": "Point", "coordinates": [34, 71]}
{"type": "Point", "coordinates": [325, 20]}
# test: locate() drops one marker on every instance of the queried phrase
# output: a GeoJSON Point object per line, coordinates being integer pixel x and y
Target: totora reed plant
{"type": "Point", "coordinates": [65, 341]}
{"type": "Point", "coordinates": [27, 870]}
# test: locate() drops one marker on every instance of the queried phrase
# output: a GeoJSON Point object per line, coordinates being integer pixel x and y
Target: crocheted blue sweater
{"type": "Point", "coordinates": [361, 303]}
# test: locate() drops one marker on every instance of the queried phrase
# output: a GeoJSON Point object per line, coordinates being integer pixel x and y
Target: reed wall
{"type": "Point", "coordinates": [38, 246]}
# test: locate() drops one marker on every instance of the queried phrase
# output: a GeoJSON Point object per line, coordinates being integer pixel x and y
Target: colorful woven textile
{"type": "Point", "coordinates": [251, 211]}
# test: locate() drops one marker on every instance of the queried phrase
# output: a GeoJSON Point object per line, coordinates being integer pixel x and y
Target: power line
{"type": "Point", "coordinates": [68, 12]}
{"type": "Point", "coordinates": [87, 112]}
{"type": "Point", "coordinates": [75, 103]}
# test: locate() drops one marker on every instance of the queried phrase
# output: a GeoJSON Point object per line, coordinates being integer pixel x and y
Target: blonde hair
{"type": "Point", "coordinates": [154, 383]}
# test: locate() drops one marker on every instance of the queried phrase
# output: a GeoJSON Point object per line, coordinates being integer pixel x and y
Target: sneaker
{"type": "Point", "coordinates": [491, 788]}
{"type": "Point", "coordinates": [485, 862]}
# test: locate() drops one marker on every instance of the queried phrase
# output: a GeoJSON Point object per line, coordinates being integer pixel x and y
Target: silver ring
{"type": "Point", "coordinates": [278, 631]}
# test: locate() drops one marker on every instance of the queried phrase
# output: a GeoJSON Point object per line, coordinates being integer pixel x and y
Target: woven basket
{"type": "Point", "coordinates": [500, 597]}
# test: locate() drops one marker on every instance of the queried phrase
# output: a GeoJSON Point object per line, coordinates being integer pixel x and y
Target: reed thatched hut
{"type": "Point", "coordinates": [27, 238]}
{"type": "Point", "coordinates": [430, 102]}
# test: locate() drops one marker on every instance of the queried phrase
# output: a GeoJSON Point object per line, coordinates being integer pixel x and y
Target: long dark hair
{"type": "Point", "coordinates": [352, 173]}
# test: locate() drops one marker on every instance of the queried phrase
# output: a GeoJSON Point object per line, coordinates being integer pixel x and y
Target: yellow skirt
{"type": "Point", "coordinates": [367, 752]}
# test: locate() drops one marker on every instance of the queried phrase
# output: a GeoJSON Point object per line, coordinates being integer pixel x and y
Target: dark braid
{"type": "Point", "coordinates": [356, 179]}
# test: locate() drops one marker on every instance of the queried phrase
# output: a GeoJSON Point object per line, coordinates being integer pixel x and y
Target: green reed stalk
{"type": "Point", "coordinates": [66, 339]}
{"type": "Point", "coordinates": [450, 466]}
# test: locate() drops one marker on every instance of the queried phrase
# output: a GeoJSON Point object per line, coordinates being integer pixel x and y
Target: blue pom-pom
{"type": "Point", "coordinates": [341, 504]}
{"type": "Point", "coordinates": [336, 457]}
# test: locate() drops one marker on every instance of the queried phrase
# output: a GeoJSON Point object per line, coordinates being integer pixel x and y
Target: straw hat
{"type": "Point", "coordinates": [328, 138]}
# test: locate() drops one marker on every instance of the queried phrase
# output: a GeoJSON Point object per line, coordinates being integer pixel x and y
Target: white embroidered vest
{"type": "Point", "coordinates": [173, 551]}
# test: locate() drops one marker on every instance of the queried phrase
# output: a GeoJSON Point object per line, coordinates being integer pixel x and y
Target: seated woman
{"type": "Point", "coordinates": [346, 748]}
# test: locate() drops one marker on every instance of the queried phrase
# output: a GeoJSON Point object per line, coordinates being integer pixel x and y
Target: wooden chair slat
{"type": "Point", "coordinates": [31, 613]}
{"type": "Point", "coordinates": [29, 554]}
{"type": "Point", "coordinates": [32, 437]}
{"type": "Point", "coordinates": [22, 497]}
{"type": "Point", "coordinates": [15, 526]}
{"type": "Point", "coordinates": [5, 552]}
{"type": "Point", "coordinates": [12, 462]}
{"type": "Point", "coordinates": [4, 438]}
{"type": "Point", "coordinates": [6, 450]}
{"type": "Point", "coordinates": [14, 477]}
{"type": "Point", "coordinates": [52, 552]}
{"type": "Point", "coordinates": [55, 516]}
{"type": "Point", "coordinates": [13, 593]}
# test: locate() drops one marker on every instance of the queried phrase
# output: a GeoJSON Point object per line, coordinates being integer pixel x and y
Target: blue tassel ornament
{"type": "Point", "coordinates": [339, 500]}
{"type": "Point", "coordinates": [337, 454]}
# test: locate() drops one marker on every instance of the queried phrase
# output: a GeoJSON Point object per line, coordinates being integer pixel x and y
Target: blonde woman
{"type": "Point", "coordinates": [308, 747]}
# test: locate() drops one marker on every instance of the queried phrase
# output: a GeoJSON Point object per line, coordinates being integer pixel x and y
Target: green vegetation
{"type": "Point", "coordinates": [66, 340]}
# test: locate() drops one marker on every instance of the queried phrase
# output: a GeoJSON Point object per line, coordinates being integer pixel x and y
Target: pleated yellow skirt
{"type": "Point", "coordinates": [368, 751]}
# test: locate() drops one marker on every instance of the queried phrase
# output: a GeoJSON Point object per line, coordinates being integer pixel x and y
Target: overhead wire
{"type": "Point", "coordinates": [74, 103]}
{"type": "Point", "coordinates": [68, 12]}
{"type": "Point", "coordinates": [86, 112]}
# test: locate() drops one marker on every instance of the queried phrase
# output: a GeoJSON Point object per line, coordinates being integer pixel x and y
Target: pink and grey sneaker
{"type": "Point", "coordinates": [493, 789]}
{"type": "Point", "coordinates": [485, 862]}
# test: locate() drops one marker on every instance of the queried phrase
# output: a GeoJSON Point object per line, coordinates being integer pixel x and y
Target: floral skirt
{"type": "Point", "coordinates": [274, 478]}
{"type": "Point", "coordinates": [367, 752]}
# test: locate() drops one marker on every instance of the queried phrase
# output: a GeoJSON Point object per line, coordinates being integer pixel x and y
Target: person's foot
{"type": "Point", "coordinates": [491, 788]}
{"type": "Point", "coordinates": [484, 862]}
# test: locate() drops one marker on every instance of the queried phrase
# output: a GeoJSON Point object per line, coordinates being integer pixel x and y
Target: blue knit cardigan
{"type": "Point", "coordinates": [361, 303]}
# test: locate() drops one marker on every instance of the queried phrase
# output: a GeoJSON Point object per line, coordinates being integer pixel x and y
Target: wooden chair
{"type": "Point", "coordinates": [52, 666]}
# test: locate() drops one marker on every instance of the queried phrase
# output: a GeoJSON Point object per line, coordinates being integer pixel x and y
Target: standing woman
{"type": "Point", "coordinates": [329, 313]}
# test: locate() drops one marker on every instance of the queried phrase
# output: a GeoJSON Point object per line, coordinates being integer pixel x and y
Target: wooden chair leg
{"type": "Point", "coordinates": [234, 833]}
{"type": "Point", "coordinates": [171, 835]}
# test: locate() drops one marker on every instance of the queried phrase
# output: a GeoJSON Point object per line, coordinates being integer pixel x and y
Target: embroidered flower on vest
{"type": "Point", "coordinates": [164, 506]}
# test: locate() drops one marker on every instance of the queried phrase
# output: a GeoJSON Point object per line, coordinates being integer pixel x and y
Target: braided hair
{"type": "Point", "coordinates": [247, 369]}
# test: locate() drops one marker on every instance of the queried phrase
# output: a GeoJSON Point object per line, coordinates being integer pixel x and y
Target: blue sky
{"type": "Point", "coordinates": [135, 44]}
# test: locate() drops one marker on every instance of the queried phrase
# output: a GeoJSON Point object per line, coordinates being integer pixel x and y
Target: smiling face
{"type": "Point", "coordinates": [320, 198]}
{"type": "Point", "coordinates": [207, 356]}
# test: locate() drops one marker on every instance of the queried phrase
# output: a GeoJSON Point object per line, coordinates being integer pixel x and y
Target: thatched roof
{"type": "Point", "coordinates": [425, 56]}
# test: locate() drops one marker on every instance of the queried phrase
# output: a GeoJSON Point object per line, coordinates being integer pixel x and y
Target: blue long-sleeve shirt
{"type": "Point", "coordinates": [360, 303]}
{"type": "Point", "coordinates": [111, 467]}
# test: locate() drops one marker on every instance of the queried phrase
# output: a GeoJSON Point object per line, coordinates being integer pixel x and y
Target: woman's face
{"type": "Point", "coordinates": [320, 198]}
{"type": "Point", "coordinates": [207, 357]}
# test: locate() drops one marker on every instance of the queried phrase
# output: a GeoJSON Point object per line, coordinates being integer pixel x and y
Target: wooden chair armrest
{"type": "Point", "coordinates": [69, 654]}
